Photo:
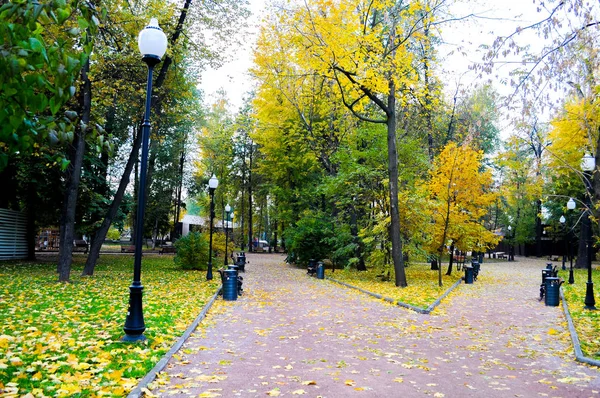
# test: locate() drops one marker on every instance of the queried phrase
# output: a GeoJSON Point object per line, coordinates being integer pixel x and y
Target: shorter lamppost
{"type": "Point", "coordinates": [571, 206]}
{"type": "Point", "coordinates": [152, 43]}
{"type": "Point", "coordinates": [225, 225]}
{"type": "Point", "coordinates": [588, 165]}
{"type": "Point", "coordinates": [564, 236]}
{"type": "Point", "coordinates": [213, 183]}
{"type": "Point", "coordinates": [510, 248]}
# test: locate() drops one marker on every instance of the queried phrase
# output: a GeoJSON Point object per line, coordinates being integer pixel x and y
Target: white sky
{"type": "Point", "coordinates": [503, 17]}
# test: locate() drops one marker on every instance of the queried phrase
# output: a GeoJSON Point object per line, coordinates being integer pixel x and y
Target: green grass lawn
{"type": "Point", "coordinates": [587, 323]}
{"type": "Point", "coordinates": [422, 290]}
{"type": "Point", "coordinates": [64, 339]}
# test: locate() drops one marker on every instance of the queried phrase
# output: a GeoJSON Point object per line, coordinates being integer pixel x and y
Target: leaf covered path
{"type": "Point", "coordinates": [290, 334]}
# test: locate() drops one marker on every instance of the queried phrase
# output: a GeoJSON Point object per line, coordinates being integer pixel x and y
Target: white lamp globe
{"type": "Point", "coordinates": [588, 163]}
{"type": "Point", "coordinates": [562, 219]}
{"type": "Point", "coordinates": [571, 204]}
{"type": "Point", "coordinates": [213, 183]}
{"type": "Point", "coordinates": [152, 41]}
{"type": "Point", "coordinates": [227, 208]}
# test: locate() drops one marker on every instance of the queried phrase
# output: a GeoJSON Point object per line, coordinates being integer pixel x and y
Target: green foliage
{"type": "Point", "coordinates": [219, 247]}
{"type": "Point", "coordinates": [310, 238]}
{"type": "Point", "coordinates": [113, 234]}
{"type": "Point", "coordinates": [343, 247]}
{"type": "Point", "coordinates": [192, 251]}
{"type": "Point", "coordinates": [44, 47]}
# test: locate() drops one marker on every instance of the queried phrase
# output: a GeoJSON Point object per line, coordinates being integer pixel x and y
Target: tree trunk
{"type": "Point", "coordinates": [449, 272]}
{"type": "Point", "coordinates": [397, 258]}
{"type": "Point", "coordinates": [154, 233]}
{"type": "Point", "coordinates": [179, 189]}
{"type": "Point", "coordinates": [582, 253]}
{"type": "Point", "coordinates": [361, 266]}
{"type": "Point", "coordinates": [250, 247]}
{"type": "Point", "coordinates": [100, 234]}
{"type": "Point", "coordinates": [73, 177]}
{"type": "Point", "coordinates": [538, 228]}
{"type": "Point", "coordinates": [275, 235]}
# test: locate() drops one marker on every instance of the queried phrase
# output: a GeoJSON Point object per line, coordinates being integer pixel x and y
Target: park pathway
{"type": "Point", "coordinates": [293, 335]}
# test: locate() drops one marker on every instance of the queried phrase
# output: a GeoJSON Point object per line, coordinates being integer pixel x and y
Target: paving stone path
{"type": "Point", "coordinates": [293, 335]}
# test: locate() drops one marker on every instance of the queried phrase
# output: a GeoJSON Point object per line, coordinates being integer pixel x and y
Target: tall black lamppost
{"type": "Point", "coordinates": [213, 183]}
{"type": "Point", "coordinates": [152, 43]}
{"type": "Point", "coordinates": [570, 206]}
{"type": "Point", "coordinates": [511, 247]}
{"type": "Point", "coordinates": [588, 165]}
{"type": "Point", "coordinates": [226, 225]}
{"type": "Point", "coordinates": [564, 236]}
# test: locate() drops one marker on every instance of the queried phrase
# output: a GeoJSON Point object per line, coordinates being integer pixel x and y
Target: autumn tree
{"type": "Point", "coordinates": [365, 49]}
{"type": "Point", "coordinates": [563, 60]}
{"type": "Point", "coordinates": [459, 198]}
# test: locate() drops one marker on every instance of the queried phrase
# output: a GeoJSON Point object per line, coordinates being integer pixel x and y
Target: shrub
{"type": "Point", "coordinates": [310, 238]}
{"type": "Point", "coordinates": [192, 251]}
{"type": "Point", "coordinates": [219, 247]}
{"type": "Point", "coordinates": [113, 234]}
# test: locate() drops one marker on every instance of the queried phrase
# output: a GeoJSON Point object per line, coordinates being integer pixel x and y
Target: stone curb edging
{"type": "Point", "coordinates": [137, 391]}
{"type": "Point", "coordinates": [574, 337]}
{"type": "Point", "coordinates": [420, 310]}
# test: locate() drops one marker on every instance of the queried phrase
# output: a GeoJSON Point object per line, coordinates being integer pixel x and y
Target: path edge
{"type": "Point", "coordinates": [420, 310]}
{"type": "Point", "coordinates": [574, 337]}
{"type": "Point", "coordinates": [150, 376]}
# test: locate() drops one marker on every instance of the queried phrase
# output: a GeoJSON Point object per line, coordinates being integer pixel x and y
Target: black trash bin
{"type": "Point", "coordinates": [230, 285]}
{"type": "Point", "coordinates": [320, 270]}
{"type": "Point", "coordinates": [553, 291]}
{"type": "Point", "coordinates": [468, 274]}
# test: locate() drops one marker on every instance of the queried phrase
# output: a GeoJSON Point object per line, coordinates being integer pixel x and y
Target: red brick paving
{"type": "Point", "coordinates": [293, 335]}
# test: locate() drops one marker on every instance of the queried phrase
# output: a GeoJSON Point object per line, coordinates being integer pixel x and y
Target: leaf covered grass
{"type": "Point", "coordinates": [587, 322]}
{"type": "Point", "coordinates": [64, 339]}
{"type": "Point", "coordinates": [422, 289]}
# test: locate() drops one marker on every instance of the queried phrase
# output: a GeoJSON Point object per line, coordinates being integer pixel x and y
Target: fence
{"type": "Point", "coordinates": [13, 235]}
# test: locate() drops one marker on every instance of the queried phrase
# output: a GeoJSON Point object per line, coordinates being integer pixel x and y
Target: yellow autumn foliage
{"type": "Point", "coordinates": [459, 198]}
{"type": "Point", "coordinates": [574, 131]}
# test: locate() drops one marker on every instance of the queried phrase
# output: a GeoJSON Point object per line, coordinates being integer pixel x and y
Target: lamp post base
{"type": "Point", "coordinates": [134, 323]}
{"type": "Point", "coordinates": [571, 278]}
{"type": "Point", "coordinates": [133, 339]}
{"type": "Point", "coordinates": [209, 273]}
{"type": "Point", "coordinates": [590, 302]}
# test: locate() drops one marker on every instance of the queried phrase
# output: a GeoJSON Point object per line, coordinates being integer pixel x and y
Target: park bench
{"type": "Point", "coordinates": [500, 255]}
{"type": "Point", "coordinates": [459, 260]}
{"type": "Point", "coordinates": [553, 257]}
{"type": "Point", "coordinates": [167, 249]}
{"type": "Point", "coordinates": [312, 267]}
{"type": "Point", "coordinates": [81, 245]}
{"type": "Point", "coordinates": [127, 249]}
{"type": "Point", "coordinates": [240, 261]}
